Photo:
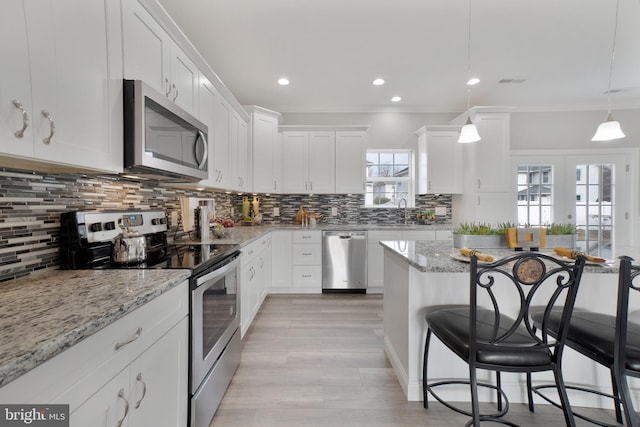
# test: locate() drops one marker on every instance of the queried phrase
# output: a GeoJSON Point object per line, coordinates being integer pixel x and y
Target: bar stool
{"type": "Point", "coordinates": [609, 340]}
{"type": "Point", "coordinates": [495, 332]}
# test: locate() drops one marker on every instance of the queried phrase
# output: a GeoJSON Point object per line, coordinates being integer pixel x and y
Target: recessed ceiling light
{"type": "Point", "coordinates": [473, 81]}
{"type": "Point", "coordinates": [283, 81]}
{"type": "Point", "coordinates": [378, 82]}
{"type": "Point", "coordinates": [396, 99]}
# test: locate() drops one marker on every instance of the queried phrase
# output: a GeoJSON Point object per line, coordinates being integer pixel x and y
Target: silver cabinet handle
{"type": "Point", "coordinates": [275, 184]}
{"type": "Point", "coordinates": [175, 91]}
{"type": "Point", "coordinates": [168, 87]}
{"type": "Point", "coordinates": [144, 389]}
{"type": "Point", "coordinates": [205, 153]}
{"type": "Point", "coordinates": [52, 126]}
{"type": "Point", "coordinates": [25, 118]}
{"type": "Point", "coordinates": [126, 407]}
{"type": "Point", "coordinates": [119, 345]}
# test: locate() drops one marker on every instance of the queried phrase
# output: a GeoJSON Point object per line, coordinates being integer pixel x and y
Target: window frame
{"type": "Point", "coordinates": [409, 179]}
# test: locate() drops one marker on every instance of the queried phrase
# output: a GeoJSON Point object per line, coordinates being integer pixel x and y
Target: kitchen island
{"type": "Point", "coordinates": [422, 273]}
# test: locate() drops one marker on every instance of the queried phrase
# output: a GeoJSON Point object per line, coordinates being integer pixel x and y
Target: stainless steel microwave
{"type": "Point", "coordinates": [161, 140]}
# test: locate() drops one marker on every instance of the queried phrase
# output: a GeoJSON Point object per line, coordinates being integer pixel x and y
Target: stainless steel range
{"type": "Point", "coordinates": [87, 242]}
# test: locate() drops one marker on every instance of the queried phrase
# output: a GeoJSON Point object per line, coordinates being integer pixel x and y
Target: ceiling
{"type": "Point", "coordinates": [331, 50]}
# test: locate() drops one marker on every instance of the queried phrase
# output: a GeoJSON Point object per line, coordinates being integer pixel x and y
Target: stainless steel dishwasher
{"type": "Point", "coordinates": [344, 262]}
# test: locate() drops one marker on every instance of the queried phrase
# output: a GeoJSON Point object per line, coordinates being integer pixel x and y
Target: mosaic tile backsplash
{"type": "Point", "coordinates": [31, 204]}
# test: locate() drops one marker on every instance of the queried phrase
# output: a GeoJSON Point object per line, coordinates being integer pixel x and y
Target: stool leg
{"type": "Point", "coordinates": [499, 385]}
{"type": "Point", "coordinates": [564, 399]}
{"type": "Point", "coordinates": [425, 394]}
{"type": "Point", "coordinates": [616, 393]}
{"type": "Point", "coordinates": [529, 392]}
{"type": "Point", "coordinates": [631, 416]}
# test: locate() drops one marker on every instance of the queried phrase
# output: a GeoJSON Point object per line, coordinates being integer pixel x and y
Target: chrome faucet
{"type": "Point", "coordinates": [405, 208]}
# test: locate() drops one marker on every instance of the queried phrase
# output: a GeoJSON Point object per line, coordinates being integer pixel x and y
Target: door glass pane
{"type": "Point", "coordinates": [535, 195]}
{"type": "Point", "coordinates": [594, 209]}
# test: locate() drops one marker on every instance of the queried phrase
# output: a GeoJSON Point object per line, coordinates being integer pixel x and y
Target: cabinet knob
{"type": "Point", "coordinates": [168, 87]}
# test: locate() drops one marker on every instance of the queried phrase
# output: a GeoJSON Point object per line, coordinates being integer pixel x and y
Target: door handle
{"type": "Point", "coordinates": [52, 127]}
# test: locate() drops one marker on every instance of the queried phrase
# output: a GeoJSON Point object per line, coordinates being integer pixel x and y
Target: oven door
{"type": "Point", "coordinates": [214, 316]}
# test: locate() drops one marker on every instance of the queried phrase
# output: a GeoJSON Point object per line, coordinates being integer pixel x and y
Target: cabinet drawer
{"type": "Point", "coordinates": [306, 236]}
{"type": "Point", "coordinates": [307, 254]}
{"type": "Point", "coordinates": [307, 277]}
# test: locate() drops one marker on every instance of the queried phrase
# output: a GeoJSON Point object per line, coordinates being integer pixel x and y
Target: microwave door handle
{"type": "Point", "coordinates": [202, 162]}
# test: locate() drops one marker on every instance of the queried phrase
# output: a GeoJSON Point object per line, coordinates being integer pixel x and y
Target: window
{"type": "Point", "coordinates": [389, 178]}
{"type": "Point", "coordinates": [535, 195]}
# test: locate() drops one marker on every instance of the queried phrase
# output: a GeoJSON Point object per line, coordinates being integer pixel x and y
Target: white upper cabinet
{"type": "Point", "coordinates": [151, 55]}
{"type": "Point", "coordinates": [15, 87]}
{"type": "Point", "coordinates": [295, 155]}
{"type": "Point", "coordinates": [350, 162]}
{"type": "Point", "coordinates": [68, 95]}
{"type": "Point", "coordinates": [240, 160]}
{"type": "Point", "coordinates": [439, 160]}
{"type": "Point", "coordinates": [308, 162]}
{"type": "Point", "coordinates": [322, 162]}
{"type": "Point", "coordinates": [215, 113]}
{"type": "Point", "coordinates": [264, 149]}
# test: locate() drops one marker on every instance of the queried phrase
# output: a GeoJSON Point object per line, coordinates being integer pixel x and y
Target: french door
{"type": "Point", "coordinates": [597, 186]}
{"type": "Point", "coordinates": [593, 191]}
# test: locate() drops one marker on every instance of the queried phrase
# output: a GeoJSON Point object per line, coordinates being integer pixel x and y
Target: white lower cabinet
{"type": "Point", "coordinates": [148, 392]}
{"type": "Point", "coordinates": [255, 279]}
{"type": "Point", "coordinates": [297, 262]}
{"type": "Point", "coordinates": [134, 370]}
{"type": "Point", "coordinates": [281, 261]}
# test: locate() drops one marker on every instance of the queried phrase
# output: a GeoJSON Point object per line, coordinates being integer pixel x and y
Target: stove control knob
{"type": "Point", "coordinates": [158, 221]}
{"type": "Point", "coordinates": [96, 227]}
{"type": "Point", "coordinates": [111, 225]}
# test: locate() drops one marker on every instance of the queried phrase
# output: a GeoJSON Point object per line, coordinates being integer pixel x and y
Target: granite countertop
{"type": "Point", "coordinates": [243, 235]}
{"type": "Point", "coordinates": [48, 312]}
{"type": "Point", "coordinates": [435, 256]}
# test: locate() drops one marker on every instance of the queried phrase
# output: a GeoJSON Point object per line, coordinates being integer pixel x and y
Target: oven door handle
{"type": "Point", "coordinates": [218, 272]}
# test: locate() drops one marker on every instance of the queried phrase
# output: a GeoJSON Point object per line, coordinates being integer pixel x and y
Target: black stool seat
{"type": "Point", "coordinates": [451, 325]}
{"type": "Point", "coordinates": [593, 334]}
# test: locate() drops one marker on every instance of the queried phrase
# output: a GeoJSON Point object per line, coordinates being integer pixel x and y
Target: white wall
{"type": "Point", "coordinates": [386, 130]}
{"type": "Point", "coordinates": [570, 130]}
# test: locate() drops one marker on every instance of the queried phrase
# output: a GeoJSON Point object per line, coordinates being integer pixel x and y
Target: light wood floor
{"type": "Point", "coordinates": [318, 360]}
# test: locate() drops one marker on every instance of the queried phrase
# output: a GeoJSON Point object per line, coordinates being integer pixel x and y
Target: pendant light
{"type": "Point", "coordinates": [610, 130]}
{"type": "Point", "coordinates": [469, 132]}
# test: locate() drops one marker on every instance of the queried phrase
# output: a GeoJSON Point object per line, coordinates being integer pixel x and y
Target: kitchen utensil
{"type": "Point", "coordinates": [129, 247]}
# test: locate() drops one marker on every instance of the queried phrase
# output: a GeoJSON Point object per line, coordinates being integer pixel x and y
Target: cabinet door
{"type": "Point", "coordinates": [158, 381]}
{"type": "Point", "coordinates": [322, 162]}
{"type": "Point", "coordinates": [240, 153]}
{"type": "Point", "coordinates": [108, 407]}
{"type": "Point", "coordinates": [185, 78]}
{"type": "Point", "coordinates": [492, 152]}
{"type": "Point", "coordinates": [70, 84]}
{"type": "Point", "coordinates": [282, 245]}
{"type": "Point", "coordinates": [14, 81]}
{"type": "Point", "coordinates": [295, 156]}
{"type": "Point", "coordinates": [147, 48]}
{"type": "Point", "coordinates": [218, 153]}
{"type": "Point", "coordinates": [350, 162]}
{"type": "Point", "coordinates": [440, 162]}
{"type": "Point", "coordinates": [265, 133]}
{"type": "Point", "coordinates": [223, 144]}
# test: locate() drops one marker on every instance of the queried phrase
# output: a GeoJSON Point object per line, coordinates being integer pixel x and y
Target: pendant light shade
{"type": "Point", "coordinates": [469, 133]}
{"type": "Point", "coordinates": [608, 130]}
